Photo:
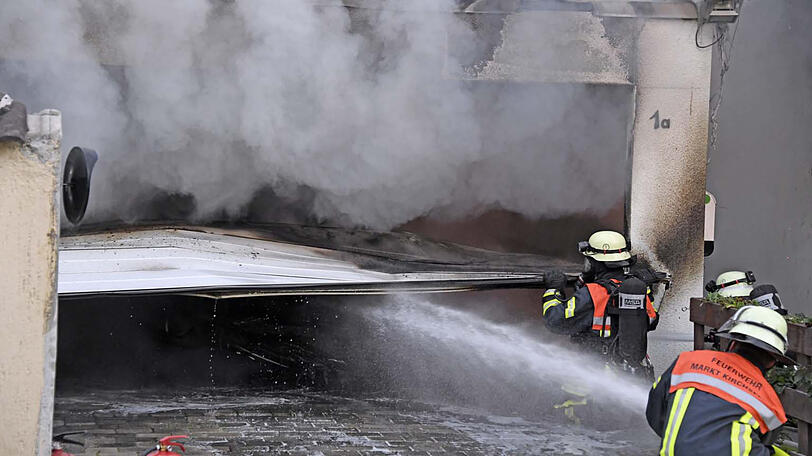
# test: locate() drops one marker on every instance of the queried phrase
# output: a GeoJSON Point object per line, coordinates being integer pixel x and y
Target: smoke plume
{"type": "Point", "coordinates": [367, 117]}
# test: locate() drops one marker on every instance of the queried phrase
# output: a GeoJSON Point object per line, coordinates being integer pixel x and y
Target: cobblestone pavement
{"type": "Point", "coordinates": [247, 422]}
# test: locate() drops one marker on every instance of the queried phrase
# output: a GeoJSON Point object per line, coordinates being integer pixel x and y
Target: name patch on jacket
{"type": "Point", "coordinates": [719, 368]}
{"type": "Point", "coordinates": [730, 377]}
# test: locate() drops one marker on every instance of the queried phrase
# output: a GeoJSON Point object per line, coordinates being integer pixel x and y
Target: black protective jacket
{"type": "Point", "coordinates": [574, 316]}
{"type": "Point", "coordinates": [695, 423]}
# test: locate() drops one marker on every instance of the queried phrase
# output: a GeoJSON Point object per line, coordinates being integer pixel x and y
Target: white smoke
{"type": "Point", "coordinates": [220, 99]}
{"type": "Point", "coordinates": [46, 60]}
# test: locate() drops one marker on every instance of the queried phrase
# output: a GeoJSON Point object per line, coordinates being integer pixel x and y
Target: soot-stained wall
{"type": "Point", "coordinates": [668, 177]}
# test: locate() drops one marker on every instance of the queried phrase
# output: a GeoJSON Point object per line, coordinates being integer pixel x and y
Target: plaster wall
{"type": "Point", "coordinates": [666, 215]}
{"type": "Point", "coordinates": [29, 233]}
{"type": "Point", "coordinates": [556, 46]}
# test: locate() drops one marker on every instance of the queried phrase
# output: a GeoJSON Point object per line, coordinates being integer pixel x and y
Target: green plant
{"type": "Point", "coordinates": [730, 302]}
{"type": "Point", "coordinates": [796, 377]}
{"type": "Point", "coordinates": [800, 319]}
{"type": "Point", "coordinates": [734, 302]}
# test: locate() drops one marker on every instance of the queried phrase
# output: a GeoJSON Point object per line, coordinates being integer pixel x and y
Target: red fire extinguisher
{"type": "Point", "coordinates": [164, 447]}
{"type": "Point", "coordinates": [60, 439]}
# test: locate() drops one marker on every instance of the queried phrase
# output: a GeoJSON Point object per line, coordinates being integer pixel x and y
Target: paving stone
{"type": "Point", "coordinates": [297, 422]}
{"type": "Point", "coordinates": [100, 451]}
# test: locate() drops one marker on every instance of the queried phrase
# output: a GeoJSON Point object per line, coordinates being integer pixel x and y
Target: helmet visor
{"type": "Point", "coordinates": [779, 357]}
{"type": "Point", "coordinates": [756, 333]}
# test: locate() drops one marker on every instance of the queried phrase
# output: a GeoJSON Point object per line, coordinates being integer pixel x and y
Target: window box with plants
{"type": "Point", "coordinates": [793, 384]}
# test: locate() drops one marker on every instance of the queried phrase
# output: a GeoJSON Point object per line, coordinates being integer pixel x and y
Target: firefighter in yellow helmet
{"type": "Point", "coordinates": [612, 281]}
{"type": "Point", "coordinates": [712, 402]}
{"type": "Point", "coordinates": [732, 284]}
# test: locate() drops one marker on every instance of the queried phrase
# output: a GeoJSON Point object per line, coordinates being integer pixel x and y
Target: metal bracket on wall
{"type": "Point", "coordinates": [725, 11]}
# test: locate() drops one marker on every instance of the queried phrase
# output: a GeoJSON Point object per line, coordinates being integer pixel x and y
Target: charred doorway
{"type": "Point", "coordinates": [176, 342]}
{"type": "Point", "coordinates": [181, 342]}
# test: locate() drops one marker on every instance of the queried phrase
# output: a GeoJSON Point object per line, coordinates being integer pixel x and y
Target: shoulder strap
{"type": "Point", "coordinates": [611, 285]}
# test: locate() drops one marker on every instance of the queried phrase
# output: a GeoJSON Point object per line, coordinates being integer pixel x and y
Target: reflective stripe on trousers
{"type": "Point", "coordinates": [681, 400]}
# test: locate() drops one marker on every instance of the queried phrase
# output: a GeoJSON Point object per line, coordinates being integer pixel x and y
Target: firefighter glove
{"type": "Point", "coordinates": [555, 279]}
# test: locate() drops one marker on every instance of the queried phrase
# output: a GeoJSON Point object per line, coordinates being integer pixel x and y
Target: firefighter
{"type": "Point", "coordinates": [610, 271]}
{"type": "Point", "coordinates": [732, 284]}
{"type": "Point", "coordinates": [719, 402]}
{"type": "Point", "coordinates": [587, 315]}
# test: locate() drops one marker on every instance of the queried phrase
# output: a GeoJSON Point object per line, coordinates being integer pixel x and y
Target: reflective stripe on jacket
{"type": "Point", "coordinates": [600, 297]}
{"type": "Point", "coordinates": [732, 378]}
{"type": "Point", "coordinates": [571, 316]}
{"type": "Point", "coordinates": [693, 422]}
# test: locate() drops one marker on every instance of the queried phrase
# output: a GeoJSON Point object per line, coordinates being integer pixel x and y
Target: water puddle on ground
{"type": "Point", "coordinates": [413, 378]}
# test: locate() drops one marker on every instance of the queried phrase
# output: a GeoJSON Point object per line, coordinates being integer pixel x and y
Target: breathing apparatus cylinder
{"type": "Point", "coordinates": [632, 343]}
{"type": "Point", "coordinates": [767, 296]}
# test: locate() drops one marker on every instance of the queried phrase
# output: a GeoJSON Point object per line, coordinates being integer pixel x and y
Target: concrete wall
{"type": "Point", "coordinates": [29, 232]}
{"type": "Point", "coordinates": [666, 216]}
{"type": "Point", "coordinates": [761, 173]}
{"type": "Point", "coordinates": [672, 78]}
